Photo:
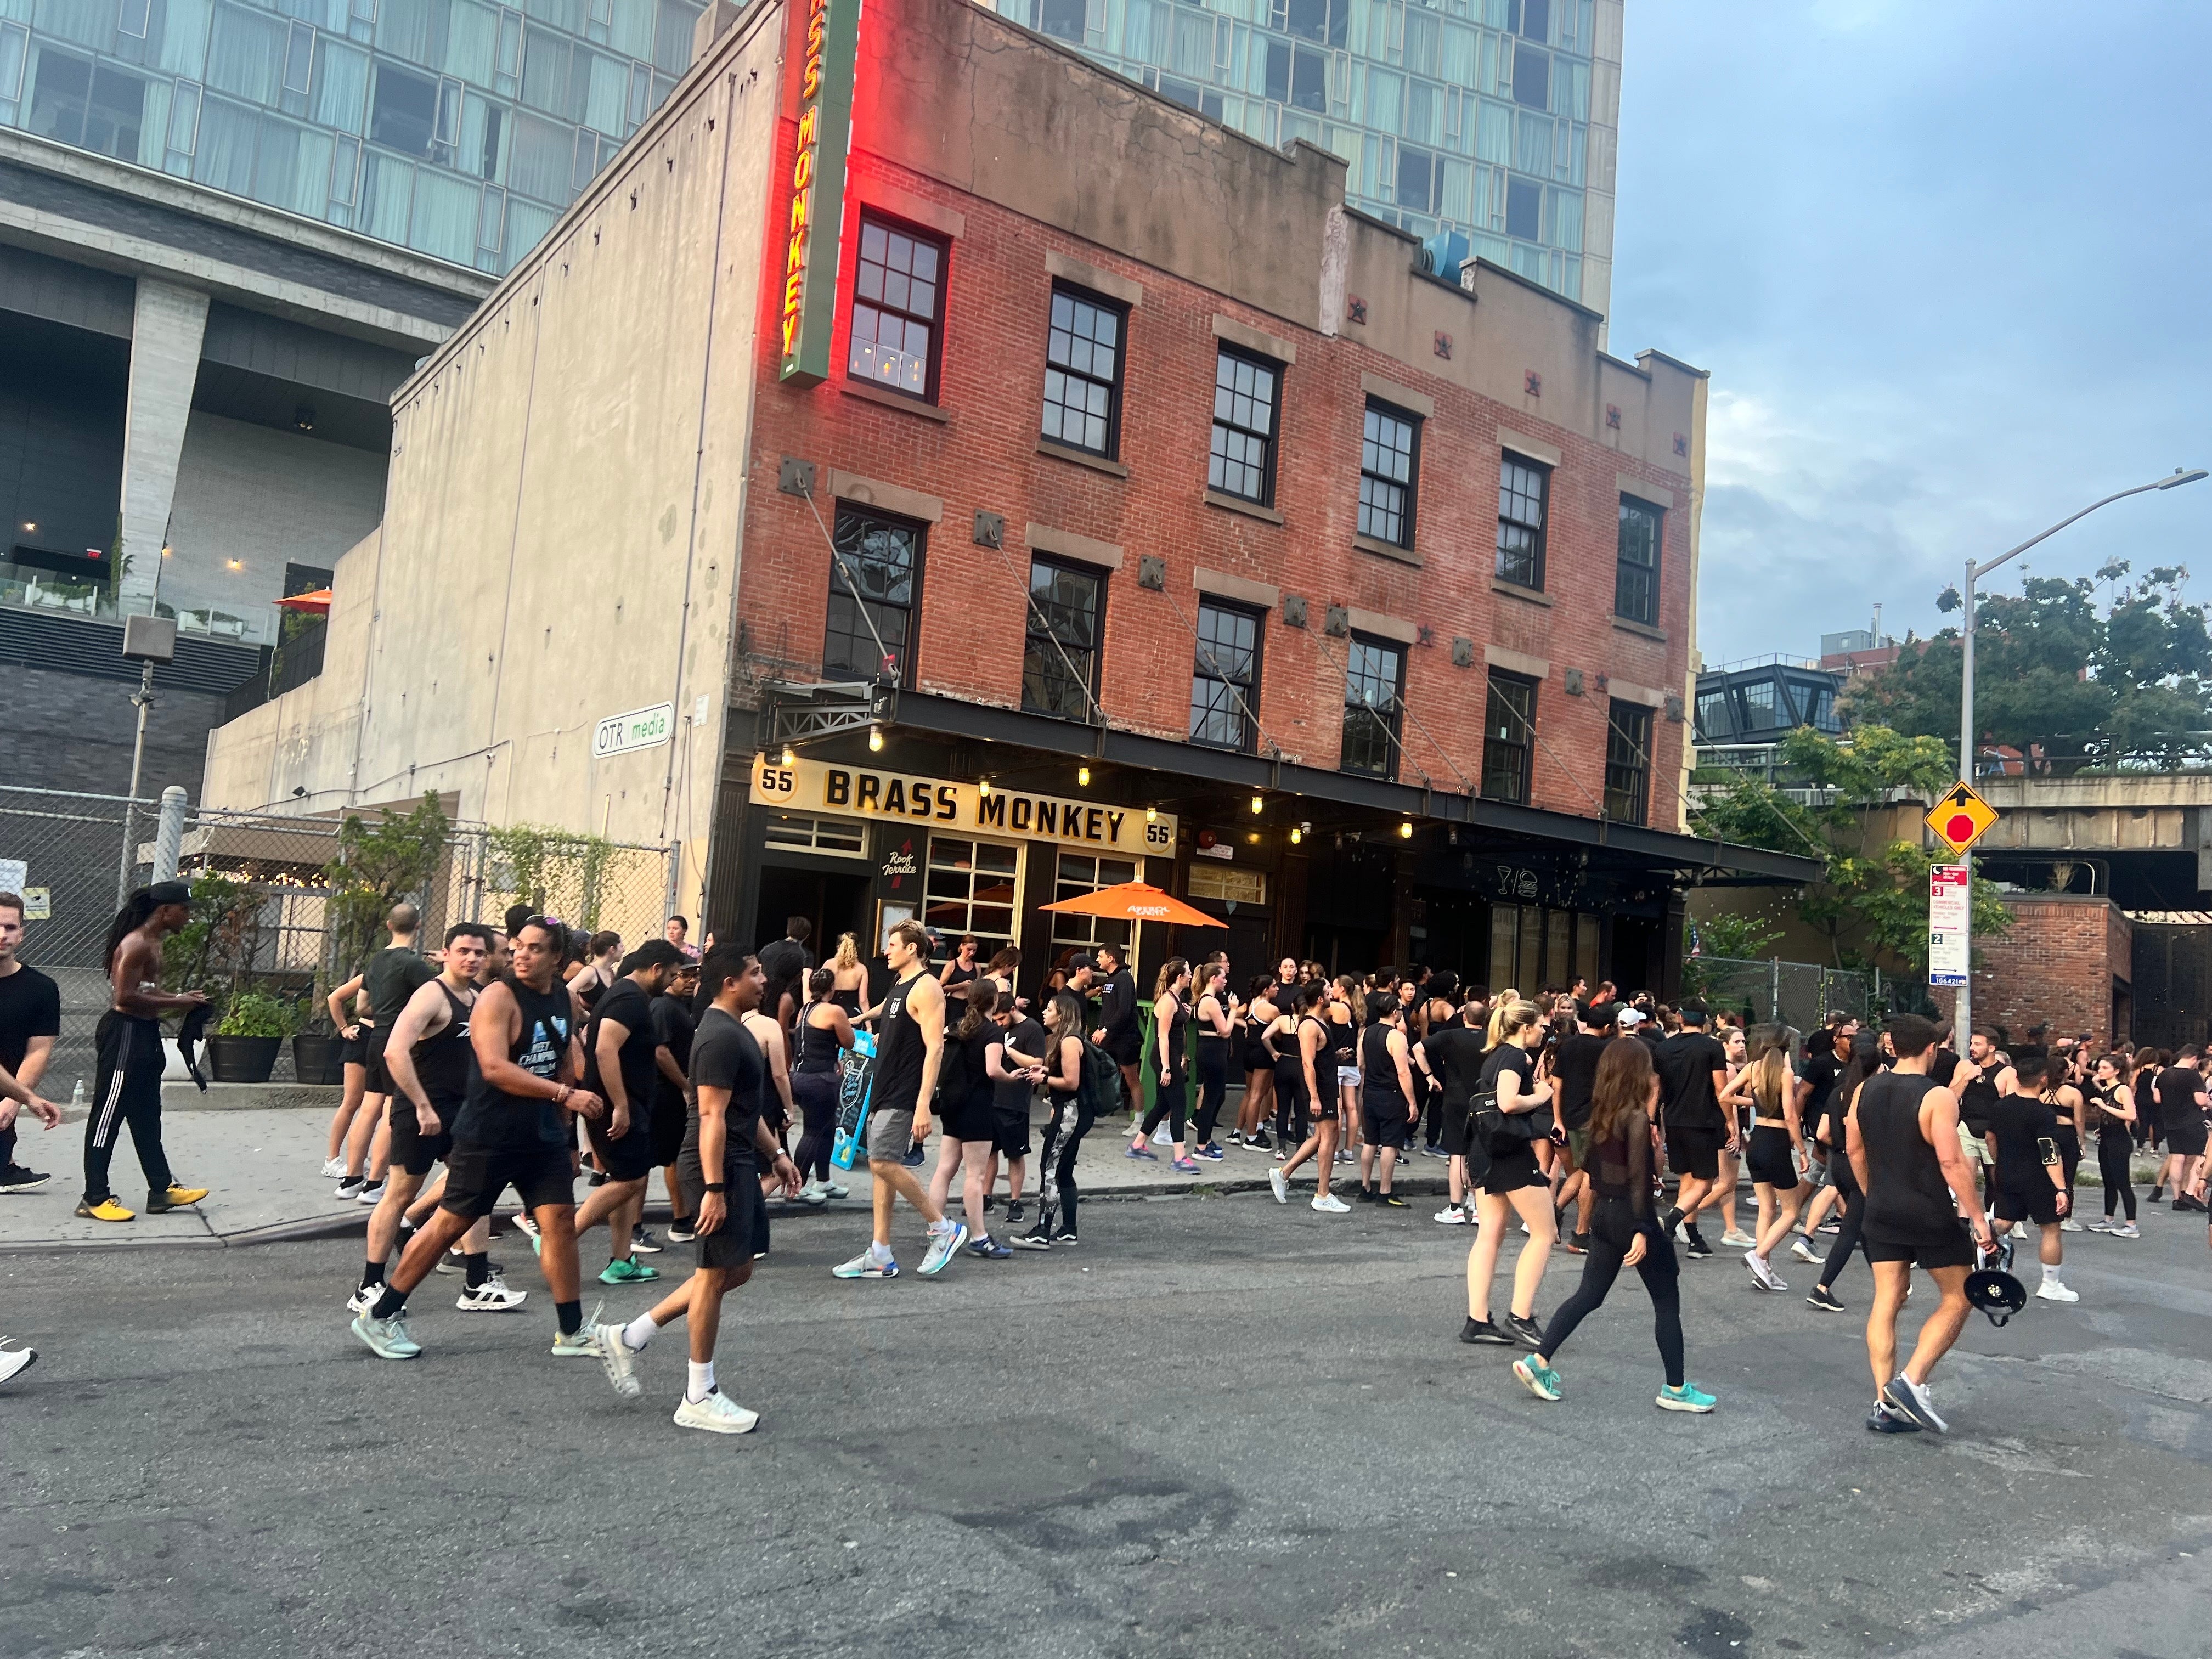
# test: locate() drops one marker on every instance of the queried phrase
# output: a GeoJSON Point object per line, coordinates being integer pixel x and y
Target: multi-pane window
{"type": "Point", "coordinates": [1079, 875]}
{"type": "Point", "coordinates": [970, 890]}
{"type": "Point", "coordinates": [1508, 733]}
{"type": "Point", "coordinates": [1386, 475]}
{"type": "Point", "coordinates": [1225, 684]}
{"type": "Point", "coordinates": [1373, 671]}
{"type": "Point", "coordinates": [1627, 762]}
{"type": "Point", "coordinates": [1522, 489]}
{"type": "Point", "coordinates": [1635, 580]}
{"type": "Point", "coordinates": [898, 294]}
{"type": "Point", "coordinates": [874, 581]}
{"type": "Point", "coordinates": [1060, 657]}
{"type": "Point", "coordinates": [1082, 373]}
{"type": "Point", "coordinates": [1243, 462]}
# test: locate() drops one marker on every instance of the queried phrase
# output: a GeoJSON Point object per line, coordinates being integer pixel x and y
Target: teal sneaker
{"type": "Point", "coordinates": [942, 1249]}
{"type": "Point", "coordinates": [386, 1339]}
{"type": "Point", "coordinates": [628, 1271]}
{"type": "Point", "coordinates": [1537, 1377]}
{"type": "Point", "coordinates": [1688, 1398]}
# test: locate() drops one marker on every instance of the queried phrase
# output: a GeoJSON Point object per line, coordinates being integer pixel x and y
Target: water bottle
{"type": "Point", "coordinates": [76, 1097]}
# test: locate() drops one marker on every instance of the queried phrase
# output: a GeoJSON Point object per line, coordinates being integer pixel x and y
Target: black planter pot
{"type": "Point", "coordinates": [242, 1059]}
{"type": "Point", "coordinates": [319, 1059]}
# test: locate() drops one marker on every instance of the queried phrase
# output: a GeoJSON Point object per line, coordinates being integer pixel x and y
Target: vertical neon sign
{"type": "Point", "coordinates": [825, 41]}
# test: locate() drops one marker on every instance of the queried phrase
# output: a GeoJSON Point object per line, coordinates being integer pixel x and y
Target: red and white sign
{"type": "Point", "coordinates": [1948, 909]}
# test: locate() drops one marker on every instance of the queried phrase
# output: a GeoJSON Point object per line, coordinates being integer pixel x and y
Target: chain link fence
{"type": "Point", "coordinates": [282, 929]}
{"type": "Point", "coordinates": [1798, 994]}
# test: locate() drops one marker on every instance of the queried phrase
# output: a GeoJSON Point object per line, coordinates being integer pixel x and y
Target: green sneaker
{"type": "Point", "coordinates": [1537, 1377]}
{"type": "Point", "coordinates": [629, 1271]}
{"type": "Point", "coordinates": [1688, 1398]}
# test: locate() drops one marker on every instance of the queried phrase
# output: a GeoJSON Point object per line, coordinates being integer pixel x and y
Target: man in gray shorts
{"type": "Point", "coordinates": [909, 1045]}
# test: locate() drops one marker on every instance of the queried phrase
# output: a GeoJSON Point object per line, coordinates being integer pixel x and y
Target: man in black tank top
{"type": "Point", "coordinates": [427, 1057]}
{"type": "Point", "coordinates": [1387, 1097]}
{"type": "Point", "coordinates": [909, 1045]}
{"type": "Point", "coordinates": [1903, 1137]}
{"type": "Point", "coordinates": [513, 1128]}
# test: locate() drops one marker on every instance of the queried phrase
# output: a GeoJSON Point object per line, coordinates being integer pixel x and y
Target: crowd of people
{"type": "Point", "coordinates": [525, 1056]}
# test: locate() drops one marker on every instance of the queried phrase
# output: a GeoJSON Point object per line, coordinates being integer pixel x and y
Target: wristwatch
{"type": "Point", "coordinates": [717, 1187]}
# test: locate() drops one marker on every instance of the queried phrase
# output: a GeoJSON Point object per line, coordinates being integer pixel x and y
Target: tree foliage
{"type": "Point", "coordinates": [1872, 908]}
{"type": "Point", "coordinates": [376, 866]}
{"type": "Point", "coordinates": [559, 871]}
{"type": "Point", "coordinates": [2130, 682]}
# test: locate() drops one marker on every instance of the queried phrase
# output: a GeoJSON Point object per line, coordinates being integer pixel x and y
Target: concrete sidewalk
{"type": "Point", "coordinates": [259, 1151]}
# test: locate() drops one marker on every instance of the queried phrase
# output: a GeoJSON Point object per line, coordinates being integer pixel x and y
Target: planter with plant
{"type": "Point", "coordinates": [245, 1044]}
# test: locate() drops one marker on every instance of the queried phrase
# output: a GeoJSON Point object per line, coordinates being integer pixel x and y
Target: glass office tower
{"type": "Point", "coordinates": [458, 128]}
{"type": "Point", "coordinates": [1497, 118]}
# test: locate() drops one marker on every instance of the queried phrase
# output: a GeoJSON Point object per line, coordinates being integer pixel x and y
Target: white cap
{"type": "Point", "coordinates": [1629, 1018]}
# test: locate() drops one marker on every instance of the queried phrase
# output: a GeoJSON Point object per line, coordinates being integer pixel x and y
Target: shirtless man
{"type": "Point", "coordinates": [129, 1039]}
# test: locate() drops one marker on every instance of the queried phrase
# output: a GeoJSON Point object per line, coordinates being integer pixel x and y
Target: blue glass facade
{"type": "Point", "coordinates": [1475, 115]}
{"type": "Point", "coordinates": [458, 128]}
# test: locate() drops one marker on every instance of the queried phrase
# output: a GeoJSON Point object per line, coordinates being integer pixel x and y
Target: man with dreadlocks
{"type": "Point", "coordinates": [129, 1039]}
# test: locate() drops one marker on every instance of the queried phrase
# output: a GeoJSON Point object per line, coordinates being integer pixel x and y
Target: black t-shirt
{"type": "Point", "coordinates": [2180, 1088]}
{"type": "Point", "coordinates": [391, 977]}
{"type": "Point", "coordinates": [1023, 1036]}
{"type": "Point", "coordinates": [1574, 1064]}
{"type": "Point", "coordinates": [1943, 1068]}
{"type": "Point", "coordinates": [1822, 1072]}
{"type": "Point", "coordinates": [724, 1055]}
{"type": "Point", "coordinates": [2017, 1122]}
{"type": "Point", "coordinates": [781, 964]}
{"type": "Point", "coordinates": [30, 1007]}
{"type": "Point", "coordinates": [1455, 1056]}
{"type": "Point", "coordinates": [1117, 1013]}
{"type": "Point", "coordinates": [1510, 1057]}
{"type": "Point", "coordinates": [672, 1029]}
{"type": "Point", "coordinates": [1687, 1063]}
{"type": "Point", "coordinates": [625, 1003]}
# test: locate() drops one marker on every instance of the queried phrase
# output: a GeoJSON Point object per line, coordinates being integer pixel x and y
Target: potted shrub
{"type": "Point", "coordinates": [317, 1052]}
{"type": "Point", "coordinates": [253, 1026]}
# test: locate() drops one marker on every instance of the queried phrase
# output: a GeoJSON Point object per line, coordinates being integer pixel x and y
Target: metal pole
{"type": "Point", "coordinates": [1962, 1023]}
{"type": "Point", "coordinates": [129, 861]}
{"type": "Point", "coordinates": [169, 836]}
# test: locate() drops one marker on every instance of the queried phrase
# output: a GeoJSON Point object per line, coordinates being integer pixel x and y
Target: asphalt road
{"type": "Point", "coordinates": [1218, 1427]}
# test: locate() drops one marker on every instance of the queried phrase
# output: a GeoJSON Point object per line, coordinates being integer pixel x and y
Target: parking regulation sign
{"type": "Point", "coordinates": [1948, 912]}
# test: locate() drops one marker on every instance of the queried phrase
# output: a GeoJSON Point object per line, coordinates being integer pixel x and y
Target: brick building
{"type": "Point", "coordinates": [1081, 493]}
{"type": "Point", "coordinates": [2065, 965]}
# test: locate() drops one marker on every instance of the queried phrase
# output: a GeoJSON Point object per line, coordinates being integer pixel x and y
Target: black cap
{"type": "Point", "coordinates": [170, 893]}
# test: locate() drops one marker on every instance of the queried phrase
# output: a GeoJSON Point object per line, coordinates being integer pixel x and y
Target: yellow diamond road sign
{"type": "Point", "coordinates": [1961, 819]}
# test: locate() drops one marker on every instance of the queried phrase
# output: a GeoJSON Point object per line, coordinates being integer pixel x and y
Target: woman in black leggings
{"type": "Point", "coordinates": [1217, 1031]}
{"type": "Point", "coordinates": [1865, 1061]}
{"type": "Point", "coordinates": [2112, 1116]}
{"type": "Point", "coordinates": [1624, 1229]}
{"type": "Point", "coordinates": [824, 1033]}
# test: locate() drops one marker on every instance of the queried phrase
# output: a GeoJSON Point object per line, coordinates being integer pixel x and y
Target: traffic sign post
{"type": "Point", "coordinates": [1950, 910]}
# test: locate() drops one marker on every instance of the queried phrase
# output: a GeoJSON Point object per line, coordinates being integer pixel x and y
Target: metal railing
{"type": "Point", "coordinates": [1800, 994]}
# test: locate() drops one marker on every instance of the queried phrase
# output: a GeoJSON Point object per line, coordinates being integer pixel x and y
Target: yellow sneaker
{"type": "Point", "coordinates": [176, 1198]}
{"type": "Point", "coordinates": [106, 1210]}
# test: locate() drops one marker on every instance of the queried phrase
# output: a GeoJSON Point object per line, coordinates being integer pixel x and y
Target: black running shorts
{"type": "Point", "coordinates": [1011, 1135]}
{"type": "Point", "coordinates": [413, 1151]}
{"type": "Point", "coordinates": [670, 1120]}
{"type": "Point", "coordinates": [477, 1175]}
{"type": "Point", "coordinates": [353, 1050]}
{"type": "Point", "coordinates": [630, 1158]}
{"type": "Point", "coordinates": [1691, 1151]}
{"type": "Point", "coordinates": [743, 1232]}
{"type": "Point", "coordinates": [2185, 1135]}
{"type": "Point", "coordinates": [1385, 1124]}
{"type": "Point", "coordinates": [1510, 1171]}
{"type": "Point", "coordinates": [380, 1080]}
{"type": "Point", "coordinates": [1956, 1250]}
{"type": "Point", "coordinates": [1770, 1158]}
{"type": "Point", "coordinates": [1456, 1123]}
{"type": "Point", "coordinates": [2036, 1201]}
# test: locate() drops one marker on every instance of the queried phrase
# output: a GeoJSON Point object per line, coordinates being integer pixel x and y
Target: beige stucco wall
{"type": "Point", "coordinates": [561, 523]}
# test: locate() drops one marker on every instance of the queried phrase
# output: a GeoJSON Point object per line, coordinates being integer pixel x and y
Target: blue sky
{"type": "Point", "coordinates": [1947, 261]}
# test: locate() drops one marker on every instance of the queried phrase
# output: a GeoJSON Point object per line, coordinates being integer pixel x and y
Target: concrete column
{"type": "Point", "coordinates": [166, 332]}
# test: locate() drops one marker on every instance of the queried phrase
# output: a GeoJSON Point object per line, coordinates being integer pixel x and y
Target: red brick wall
{"type": "Point", "coordinates": [984, 457]}
{"type": "Point", "coordinates": [2056, 966]}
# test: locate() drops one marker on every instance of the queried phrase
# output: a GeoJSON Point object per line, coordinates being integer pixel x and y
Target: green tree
{"type": "Point", "coordinates": [2126, 683]}
{"type": "Point", "coordinates": [375, 867]}
{"type": "Point", "coordinates": [1872, 906]}
{"type": "Point", "coordinates": [560, 871]}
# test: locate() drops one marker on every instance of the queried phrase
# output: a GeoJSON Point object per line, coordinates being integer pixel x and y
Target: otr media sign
{"type": "Point", "coordinates": [825, 40]}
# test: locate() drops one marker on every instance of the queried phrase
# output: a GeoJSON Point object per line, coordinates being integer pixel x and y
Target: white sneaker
{"type": "Point", "coordinates": [2018, 1231]}
{"type": "Point", "coordinates": [1280, 1186]}
{"type": "Point", "coordinates": [579, 1347]}
{"type": "Point", "coordinates": [616, 1358]}
{"type": "Point", "coordinates": [364, 1298]}
{"type": "Point", "coordinates": [833, 1190]}
{"type": "Point", "coordinates": [1450, 1216]}
{"type": "Point", "coordinates": [1736, 1239]}
{"type": "Point", "coordinates": [492, 1296]}
{"type": "Point", "coordinates": [1330, 1204]}
{"type": "Point", "coordinates": [333, 1169]}
{"type": "Point", "coordinates": [1761, 1275]}
{"type": "Point", "coordinates": [2127, 1230]}
{"type": "Point", "coordinates": [526, 1223]}
{"type": "Point", "coordinates": [2070, 1226]}
{"type": "Point", "coordinates": [2051, 1291]}
{"type": "Point", "coordinates": [717, 1413]}
{"type": "Point", "coordinates": [14, 1362]}
{"type": "Point", "coordinates": [1805, 1252]}
{"type": "Point", "coordinates": [371, 1195]}
{"type": "Point", "coordinates": [2104, 1225]}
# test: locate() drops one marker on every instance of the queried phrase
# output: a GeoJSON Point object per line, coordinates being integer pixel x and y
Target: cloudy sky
{"type": "Point", "coordinates": [1948, 263]}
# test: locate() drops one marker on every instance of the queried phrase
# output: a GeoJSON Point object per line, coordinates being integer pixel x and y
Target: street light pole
{"type": "Point", "coordinates": [1962, 1025]}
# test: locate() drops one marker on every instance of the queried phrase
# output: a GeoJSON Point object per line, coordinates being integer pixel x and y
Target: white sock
{"type": "Point", "coordinates": [639, 1332]}
{"type": "Point", "coordinates": [701, 1382]}
{"type": "Point", "coordinates": [2050, 1274]}
{"type": "Point", "coordinates": [878, 1253]}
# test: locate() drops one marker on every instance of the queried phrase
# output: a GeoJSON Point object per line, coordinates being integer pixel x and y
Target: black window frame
{"type": "Point", "coordinates": [1270, 441]}
{"type": "Point", "coordinates": [863, 518]}
{"type": "Point", "coordinates": [1628, 766]}
{"type": "Point", "coordinates": [872, 220]}
{"type": "Point", "coordinates": [1515, 734]}
{"type": "Point", "coordinates": [1207, 650]}
{"type": "Point", "coordinates": [1077, 295]}
{"type": "Point", "coordinates": [1379, 408]}
{"type": "Point", "coordinates": [1508, 489]}
{"type": "Point", "coordinates": [1391, 718]}
{"type": "Point", "coordinates": [1627, 574]}
{"type": "Point", "coordinates": [1039, 633]}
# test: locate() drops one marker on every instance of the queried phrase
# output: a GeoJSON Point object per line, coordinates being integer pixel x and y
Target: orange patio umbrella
{"type": "Point", "coordinates": [1137, 901]}
{"type": "Point", "coordinates": [318, 601]}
